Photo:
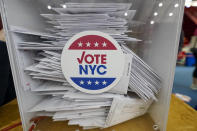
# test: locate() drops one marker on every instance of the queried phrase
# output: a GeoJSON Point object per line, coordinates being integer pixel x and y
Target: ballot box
{"type": "Point", "coordinates": [92, 63]}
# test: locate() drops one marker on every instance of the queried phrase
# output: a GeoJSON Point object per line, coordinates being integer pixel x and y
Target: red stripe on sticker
{"type": "Point", "coordinates": [92, 42]}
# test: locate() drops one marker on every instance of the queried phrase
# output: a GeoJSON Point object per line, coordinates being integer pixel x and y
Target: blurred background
{"type": "Point", "coordinates": [185, 80]}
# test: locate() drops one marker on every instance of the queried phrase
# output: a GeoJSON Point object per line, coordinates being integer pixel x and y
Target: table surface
{"type": "Point", "coordinates": [181, 118]}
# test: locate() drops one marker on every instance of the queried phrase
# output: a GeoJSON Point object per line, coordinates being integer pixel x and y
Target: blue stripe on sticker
{"type": "Point", "coordinates": [92, 83]}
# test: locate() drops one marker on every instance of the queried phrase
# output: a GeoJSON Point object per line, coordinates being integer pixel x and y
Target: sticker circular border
{"type": "Point", "coordinates": [98, 33]}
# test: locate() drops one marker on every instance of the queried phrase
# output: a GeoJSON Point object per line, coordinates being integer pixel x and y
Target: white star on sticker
{"type": "Point", "coordinates": [104, 82]}
{"type": "Point", "coordinates": [80, 44]}
{"type": "Point", "coordinates": [88, 44]}
{"type": "Point", "coordinates": [89, 82]}
{"type": "Point", "coordinates": [81, 82]}
{"type": "Point", "coordinates": [96, 44]}
{"type": "Point", "coordinates": [104, 44]}
{"type": "Point", "coordinates": [96, 82]}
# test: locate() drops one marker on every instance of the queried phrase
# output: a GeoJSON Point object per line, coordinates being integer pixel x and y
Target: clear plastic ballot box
{"type": "Point", "coordinates": [141, 39]}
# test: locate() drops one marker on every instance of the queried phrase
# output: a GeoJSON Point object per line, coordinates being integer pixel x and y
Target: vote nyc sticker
{"type": "Point", "coordinates": [92, 62]}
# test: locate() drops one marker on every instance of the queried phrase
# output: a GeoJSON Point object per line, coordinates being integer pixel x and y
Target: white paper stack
{"type": "Point", "coordinates": [64, 102]}
{"type": "Point", "coordinates": [109, 18]}
{"type": "Point", "coordinates": [91, 111]}
{"type": "Point", "coordinates": [143, 80]}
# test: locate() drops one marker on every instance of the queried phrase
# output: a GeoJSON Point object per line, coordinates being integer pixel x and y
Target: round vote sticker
{"type": "Point", "coordinates": [92, 62]}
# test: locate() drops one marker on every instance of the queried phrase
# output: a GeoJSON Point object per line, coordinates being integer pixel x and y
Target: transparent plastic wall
{"type": "Point", "coordinates": [158, 25]}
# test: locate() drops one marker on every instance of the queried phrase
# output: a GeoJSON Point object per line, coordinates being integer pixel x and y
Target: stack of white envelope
{"type": "Point", "coordinates": [142, 79]}
{"type": "Point", "coordinates": [110, 18]}
{"type": "Point", "coordinates": [130, 98]}
{"type": "Point", "coordinates": [91, 111]}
